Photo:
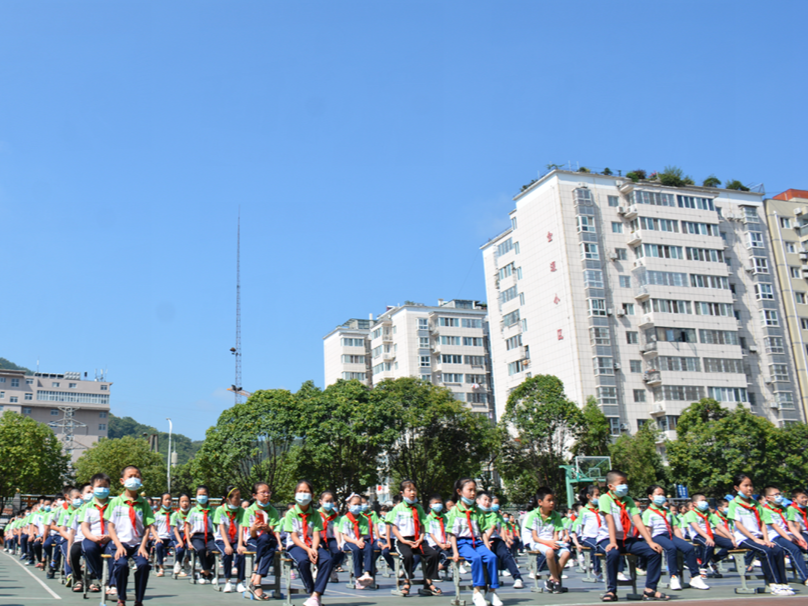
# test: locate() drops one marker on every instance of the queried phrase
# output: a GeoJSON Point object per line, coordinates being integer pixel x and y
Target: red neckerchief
{"type": "Point", "coordinates": [326, 522]}
{"type": "Point", "coordinates": [205, 521]}
{"type": "Point", "coordinates": [779, 512]}
{"type": "Point", "coordinates": [706, 519]}
{"type": "Point", "coordinates": [803, 515]}
{"type": "Point", "coordinates": [723, 519]}
{"type": "Point", "coordinates": [132, 515]}
{"type": "Point", "coordinates": [101, 511]}
{"type": "Point", "coordinates": [754, 510]}
{"type": "Point", "coordinates": [370, 523]}
{"type": "Point", "coordinates": [664, 519]}
{"type": "Point", "coordinates": [625, 519]}
{"type": "Point", "coordinates": [231, 528]}
{"type": "Point", "coordinates": [442, 530]}
{"type": "Point", "coordinates": [596, 512]}
{"type": "Point", "coordinates": [415, 519]}
{"type": "Point", "coordinates": [355, 523]}
{"type": "Point", "coordinates": [168, 522]}
{"type": "Point", "coordinates": [471, 528]}
{"type": "Point", "coordinates": [304, 518]}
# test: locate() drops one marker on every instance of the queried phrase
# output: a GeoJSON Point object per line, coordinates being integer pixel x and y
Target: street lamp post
{"type": "Point", "coordinates": [170, 429]}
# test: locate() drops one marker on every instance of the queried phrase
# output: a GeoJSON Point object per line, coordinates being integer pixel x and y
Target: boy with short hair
{"type": "Point", "coordinates": [777, 528]}
{"type": "Point", "coordinates": [707, 531]}
{"type": "Point", "coordinates": [798, 516]}
{"type": "Point", "coordinates": [547, 530]}
{"type": "Point", "coordinates": [618, 536]}
{"type": "Point", "coordinates": [58, 524]}
{"type": "Point", "coordinates": [131, 519]}
{"type": "Point", "coordinates": [94, 528]}
{"type": "Point", "coordinates": [38, 525]}
{"type": "Point", "coordinates": [76, 538]}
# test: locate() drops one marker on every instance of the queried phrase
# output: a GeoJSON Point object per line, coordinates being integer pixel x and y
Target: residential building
{"type": "Point", "coordinates": [446, 345]}
{"type": "Point", "coordinates": [644, 296]}
{"type": "Point", "coordinates": [73, 407]}
{"type": "Point", "coordinates": [787, 220]}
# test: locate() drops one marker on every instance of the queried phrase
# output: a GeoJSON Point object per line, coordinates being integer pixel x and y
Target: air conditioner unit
{"type": "Point", "coordinates": [609, 312]}
{"type": "Point", "coordinates": [775, 404]}
{"type": "Point", "coordinates": [750, 268]}
{"type": "Point", "coordinates": [621, 210]}
{"type": "Point", "coordinates": [769, 380]}
{"type": "Point", "coordinates": [753, 348]}
{"type": "Point", "coordinates": [613, 256]}
{"type": "Point", "coordinates": [623, 426]}
{"type": "Point", "coordinates": [798, 211]}
{"type": "Point", "coordinates": [620, 313]}
{"type": "Point", "coordinates": [617, 366]}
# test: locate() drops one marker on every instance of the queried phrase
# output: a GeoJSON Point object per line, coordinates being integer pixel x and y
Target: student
{"type": "Point", "coordinates": [617, 537]}
{"type": "Point", "coordinates": [493, 533]}
{"type": "Point", "coordinates": [436, 530]}
{"type": "Point", "coordinates": [590, 520]}
{"type": "Point", "coordinates": [707, 530]}
{"type": "Point", "coordinates": [355, 531]}
{"type": "Point", "coordinates": [386, 540]}
{"type": "Point", "coordinates": [130, 521]}
{"type": "Point", "coordinates": [375, 524]}
{"type": "Point", "coordinates": [162, 531]}
{"type": "Point", "coordinates": [199, 533]}
{"type": "Point", "coordinates": [662, 528]}
{"type": "Point", "coordinates": [178, 542]}
{"type": "Point", "coordinates": [750, 533]}
{"type": "Point", "coordinates": [261, 522]}
{"type": "Point", "coordinates": [52, 543]}
{"type": "Point", "coordinates": [303, 526]}
{"type": "Point", "coordinates": [777, 528]}
{"type": "Point", "coordinates": [329, 514]}
{"type": "Point", "coordinates": [226, 520]}
{"type": "Point", "coordinates": [515, 534]}
{"type": "Point", "coordinates": [59, 523]}
{"type": "Point", "coordinates": [76, 539]}
{"type": "Point", "coordinates": [798, 517]}
{"type": "Point", "coordinates": [23, 528]}
{"type": "Point", "coordinates": [38, 526]}
{"type": "Point", "coordinates": [546, 533]}
{"type": "Point", "coordinates": [408, 523]}
{"type": "Point", "coordinates": [465, 533]}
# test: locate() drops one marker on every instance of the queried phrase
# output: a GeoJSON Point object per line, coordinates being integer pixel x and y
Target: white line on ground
{"type": "Point", "coordinates": [56, 596]}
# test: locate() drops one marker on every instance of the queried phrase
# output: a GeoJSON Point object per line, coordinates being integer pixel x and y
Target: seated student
{"type": "Point", "coordinates": [464, 523]}
{"type": "Point", "coordinates": [76, 538]}
{"type": "Point", "coordinates": [303, 525]}
{"type": "Point", "coordinates": [261, 522]}
{"type": "Point", "coordinates": [492, 528]}
{"type": "Point", "coordinates": [95, 529]}
{"type": "Point", "coordinates": [329, 515]}
{"type": "Point", "coordinates": [707, 530]}
{"type": "Point", "coordinates": [386, 541]}
{"type": "Point", "coordinates": [777, 528]}
{"type": "Point", "coordinates": [546, 531]}
{"type": "Point", "coordinates": [617, 537]}
{"type": "Point", "coordinates": [436, 530]}
{"type": "Point", "coordinates": [199, 534]}
{"type": "Point", "coordinates": [130, 521]}
{"type": "Point", "coordinates": [798, 517]}
{"type": "Point", "coordinates": [59, 523]}
{"type": "Point", "coordinates": [750, 533]}
{"type": "Point", "coordinates": [38, 530]}
{"type": "Point", "coordinates": [178, 541]}
{"type": "Point", "coordinates": [663, 530]}
{"type": "Point", "coordinates": [408, 523]}
{"type": "Point", "coordinates": [24, 526]}
{"type": "Point", "coordinates": [589, 522]}
{"type": "Point", "coordinates": [375, 525]}
{"type": "Point", "coordinates": [355, 532]}
{"type": "Point", "coordinates": [226, 520]}
{"type": "Point", "coordinates": [162, 529]}
{"type": "Point", "coordinates": [51, 545]}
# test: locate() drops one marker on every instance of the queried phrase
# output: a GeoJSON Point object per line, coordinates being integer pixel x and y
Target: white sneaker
{"type": "Point", "coordinates": [228, 588]}
{"type": "Point", "coordinates": [241, 588]}
{"type": "Point", "coordinates": [532, 575]}
{"type": "Point", "coordinates": [478, 599]}
{"type": "Point", "coordinates": [675, 584]}
{"type": "Point", "coordinates": [177, 568]}
{"type": "Point", "coordinates": [757, 564]}
{"type": "Point", "coordinates": [365, 580]}
{"type": "Point", "coordinates": [563, 576]}
{"type": "Point", "coordinates": [462, 570]}
{"type": "Point", "coordinates": [311, 602]}
{"type": "Point", "coordinates": [201, 581]}
{"type": "Point", "coordinates": [518, 584]}
{"type": "Point", "coordinates": [506, 573]}
{"type": "Point", "coordinates": [622, 577]}
{"type": "Point", "coordinates": [495, 601]}
{"type": "Point", "coordinates": [698, 583]}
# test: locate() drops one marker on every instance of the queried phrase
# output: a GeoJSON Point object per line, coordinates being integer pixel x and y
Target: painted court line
{"type": "Point", "coordinates": [56, 596]}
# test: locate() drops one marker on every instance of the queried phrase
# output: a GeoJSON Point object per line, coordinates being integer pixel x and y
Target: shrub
{"type": "Point", "coordinates": [711, 181]}
{"type": "Point", "coordinates": [735, 184]}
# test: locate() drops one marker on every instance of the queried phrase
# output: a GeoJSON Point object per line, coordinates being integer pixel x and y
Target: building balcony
{"type": "Point", "coordinates": [803, 256]}
{"type": "Point", "coordinates": [652, 378]}
{"type": "Point", "coordinates": [634, 238]}
{"type": "Point", "coordinates": [803, 230]}
{"type": "Point", "coordinates": [646, 320]}
{"type": "Point", "coordinates": [649, 349]}
{"type": "Point", "coordinates": [387, 357]}
{"type": "Point", "coordinates": [631, 211]}
{"type": "Point", "coordinates": [642, 293]}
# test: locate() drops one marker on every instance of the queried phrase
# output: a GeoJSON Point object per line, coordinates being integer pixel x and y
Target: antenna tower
{"type": "Point", "coordinates": [67, 426]}
{"type": "Point", "coordinates": [237, 349]}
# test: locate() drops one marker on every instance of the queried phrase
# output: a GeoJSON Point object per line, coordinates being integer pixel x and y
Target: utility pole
{"type": "Point", "coordinates": [236, 351]}
{"type": "Point", "coordinates": [170, 430]}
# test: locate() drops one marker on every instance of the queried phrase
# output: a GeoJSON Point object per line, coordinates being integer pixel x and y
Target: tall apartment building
{"type": "Point", "coordinates": [787, 220]}
{"type": "Point", "coordinates": [446, 345]}
{"type": "Point", "coordinates": [643, 296]}
{"type": "Point", "coordinates": [65, 402]}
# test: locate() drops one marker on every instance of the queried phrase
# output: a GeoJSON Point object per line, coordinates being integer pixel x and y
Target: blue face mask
{"type": "Point", "coordinates": [659, 499]}
{"type": "Point", "coordinates": [594, 501]}
{"type": "Point", "coordinates": [78, 503]}
{"type": "Point", "coordinates": [303, 498]}
{"type": "Point", "coordinates": [467, 501]}
{"type": "Point", "coordinates": [778, 499]}
{"type": "Point", "coordinates": [46, 508]}
{"type": "Point", "coordinates": [437, 507]}
{"type": "Point", "coordinates": [202, 499]}
{"type": "Point", "coordinates": [133, 483]}
{"type": "Point", "coordinates": [621, 490]}
{"type": "Point", "coordinates": [262, 505]}
{"type": "Point", "coordinates": [702, 505]}
{"type": "Point", "coordinates": [355, 509]}
{"type": "Point", "coordinates": [365, 507]}
{"type": "Point", "coordinates": [328, 506]}
{"type": "Point", "coordinates": [87, 497]}
{"type": "Point", "coordinates": [232, 507]}
{"type": "Point", "coordinates": [495, 507]}
{"type": "Point", "coordinates": [481, 508]}
{"type": "Point", "coordinates": [101, 493]}
{"type": "Point", "coordinates": [410, 501]}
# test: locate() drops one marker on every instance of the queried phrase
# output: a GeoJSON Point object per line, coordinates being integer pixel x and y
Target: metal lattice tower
{"type": "Point", "coordinates": [237, 349]}
{"type": "Point", "coordinates": [67, 426]}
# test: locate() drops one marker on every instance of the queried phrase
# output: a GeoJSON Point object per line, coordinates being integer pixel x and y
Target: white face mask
{"type": "Point", "coordinates": [303, 498]}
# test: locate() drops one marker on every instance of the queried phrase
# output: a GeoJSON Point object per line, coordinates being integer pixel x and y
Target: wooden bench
{"type": "Point", "coordinates": [632, 580]}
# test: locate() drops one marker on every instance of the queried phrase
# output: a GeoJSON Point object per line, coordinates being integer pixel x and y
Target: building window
{"type": "Point", "coordinates": [800, 296]}
{"type": "Point", "coordinates": [593, 278]}
{"type": "Point", "coordinates": [14, 400]}
{"type": "Point", "coordinates": [607, 396]}
{"type": "Point", "coordinates": [764, 291]}
{"type": "Point", "coordinates": [778, 372]}
{"type": "Point", "coordinates": [728, 394]}
{"type": "Point", "coordinates": [790, 247]}
{"type": "Point", "coordinates": [423, 323]}
{"type": "Point", "coordinates": [667, 423]}
{"type": "Point", "coordinates": [785, 399]}
{"type": "Point", "coordinates": [639, 395]}
{"type": "Point", "coordinates": [348, 376]}
{"type": "Point", "coordinates": [103, 415]}
{"type": "Point", "coordinates": [515, 367]}
{"type": "Point", "coordinates": [15, 382]}
{"type": "Point", "coordinates": [804, 323]}
{"type": "Point", "coordinates": [55, 384]}
{"type": "Point", "coordinates": [102, 427]}
{"type": "Point", "coordinates": [2, 394]}
{"type": "Point", "coordinates": [622, 254]}
{"type": "Point", "coordinates": [597, 336]}
{"type": "Point", "coordinates": [423, 342]}
{"type": "Point", "coordinates": [628, 309]}
{"type": "Point", "coordinates": [604, 365]}
{"type": "Point", "coordinates": [586, 223]}
{"type": "Point", "coordinates": [54, 412]}
{"type": "Point", "coordinates": [635, 365]}
{"type": "Point", "coordinates": [451, 359]}
{"type": "Point", "coordinates": [617, 227]}
{"type": "Point", "coordinates": [472, 323]}
{"type": "Point", "coordinates": [785, 222]}
{"type": "Point", "coordinates": [614, 426]}
{"type": "Point", "coordinates": [449, 322]}
{"type": "Point", "coordinates": [29, 397]}
{"type": "Point", "coordinates": [2, 379]}
{"type": "Point", "coordinates": [597, 307]}
{"type": "Point", "coordinates": [589, 251]}
{"type": "Point", "coordinates": [769, 318]}
{"type": "Point", "coordinates": [511, 318]}
{"type": "Point", "coordinates": [794, 272]}
{"type": "Point", "coordinates": [754, 239]}
{"type": "Point", "coordinates": [613, 200]}
{"type": "Point", "coordinates": [625, 281]}
{"type": "Point", "coordinates": [774, 345]}
{"type": "Point", "coordinates": [26, 410]}
{"type": "Point", "coordinates": [104, 387]}
{"type": "Point", "coordinates": [29, 381]}
{"type": "Point", "coordinates": [72, 385]}
{"type": "Point", "coordinates": [513, 222]}
{"type": "Point", "coordinates": [632, 337]}
{"type": "Point", "coordinates": [426, 361]}
{"type": "Point", "coordinates": [449, 377]}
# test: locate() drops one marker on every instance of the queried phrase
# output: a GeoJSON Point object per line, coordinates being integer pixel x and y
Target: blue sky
{"type": "Point", "coordinates": [371, 146]}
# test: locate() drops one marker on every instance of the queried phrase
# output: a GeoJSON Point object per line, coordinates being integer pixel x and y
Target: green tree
{"type": "Point", "coordinates": [250, 443]}
{"type": "Point", "coordinates": [110, 456]}
{"type": "Point", "coordinates": [711, 181]}
{"type": "Point", "coordinates": [637, 457]}
{"type": "Point", "coordinates": [735, 184]}
{"type": "Point", "coordinates": [791, 465]}
{"type": "Point", "coordinates": [546, 424]}
{"type": "Point", "coordinates": [672, 176]}
{"type": "Point", "coordinates": [437, 438]}
{"type": "Point", "coordinates": [595, 438]}
{"type": "Point", "coordinates": [31, 458]}
{"type": "Point", "coordinates": [714, 444]}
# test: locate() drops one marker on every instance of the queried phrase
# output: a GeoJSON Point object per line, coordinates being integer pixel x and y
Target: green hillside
{"type": "Point", "coordinates": [9, 365]}
{"type": "Point", "coordinates": [127, 426]}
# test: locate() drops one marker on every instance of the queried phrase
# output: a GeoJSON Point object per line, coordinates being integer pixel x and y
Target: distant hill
{"type": "Point", "coordinates": [185, 448]}
{"type": "Point", "coordinates": [9, 365]}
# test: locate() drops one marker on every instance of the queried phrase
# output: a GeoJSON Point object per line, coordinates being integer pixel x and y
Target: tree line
{"type": "Point", "coordinates": [351, 438]}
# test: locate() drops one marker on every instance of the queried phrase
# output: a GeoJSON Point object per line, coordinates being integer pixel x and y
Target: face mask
{"type": "Point", "coordinates": [132, 483]}
{"type": "Point", "coordinates": [621, 490]}
{"type": "Point", "coordinates": [702, 505]}
{"type": "Point", "coordinates": [724, 511]}
{"type": "Point", "coordinates": [481, 508]}
{"type": "Point", "coordinates": [166, 507]}
{"type": "Point", "coordinates": [262, 505]}
{"type": "Point", "coordinates": [202, 499]}
{"type": "Point", "coordinates": [467, 501]}
{"type": "Point", "coordinates": [437, 507]}
{"type": "Point", "coordinates": [303, 498]}
{"type": "Point", "coordinates": [87, 497]}
{"type": "Point", "coordinates": [232, 507]}
{"type": "Point", "coordinates": [410, 501]}
{"type": "Point", "coordinates": [659, 499]}
{"type": "Point", "coordinates": [495, 507]}
{"type": "Point", "coordinates": [328, 506]}
{"type": "Point", "coordinates": [185, 509]}
{"type": "Point", "coordinates": [365, 507]}
{"type": "Point", "coordinates": [778, 499]}
{"type": "Point", "coordinates": [78, 502]}
{"type": "Point", "coordinates": [46, 508]}
{"type": "Point", "coordinates": [101, 493]}
{"type": "Point", "coordinates": [594, 501]}
{"type": "Point", "coordinates": [355, 509]}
